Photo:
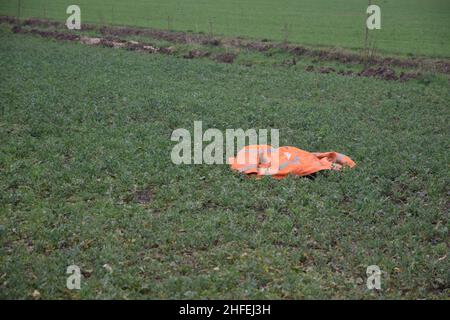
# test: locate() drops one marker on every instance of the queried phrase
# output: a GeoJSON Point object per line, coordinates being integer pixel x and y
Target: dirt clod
{"type": "Point", "coordinates": [384, 73]}
{"type": "Point", "coordinates": [211, 42]}
{"type": "Point", "coordinates": [225, 57]}
{"type": "Point", "coordinates": [345, 72]}
{"type": "Point", "coordinates": [196, 54]}
{"type": "Point", "coordinates": [90, 41]}
{"type": "Point", "coordinates": [16, 29]}
{"type": "Point", "coordinates": [326, 70]}
{"type": "Point", "coordinates": [406, 76]}
{"type": "Point", "coordinates": [144, 196]}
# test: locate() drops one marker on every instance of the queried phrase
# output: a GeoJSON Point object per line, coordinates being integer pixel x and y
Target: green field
{"type": "Point", "coordinates": [418, 27]}
{"type": "Point", "coordinates": [86, 179]}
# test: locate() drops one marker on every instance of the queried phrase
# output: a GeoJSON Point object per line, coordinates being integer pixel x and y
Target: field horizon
{"type": "Point", "coordinates": [408, 27]}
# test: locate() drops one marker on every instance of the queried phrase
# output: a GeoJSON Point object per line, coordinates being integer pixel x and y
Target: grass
{"type": "Point", "coordinates": [278, 56]}
{"type": "Point", "coordinates": [85, 130]}
{"type": "Point", "coordinates": [408, 27]}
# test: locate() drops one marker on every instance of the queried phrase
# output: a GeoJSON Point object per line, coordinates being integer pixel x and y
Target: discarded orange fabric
{"type": "Point", "coordinates": [264, 160]}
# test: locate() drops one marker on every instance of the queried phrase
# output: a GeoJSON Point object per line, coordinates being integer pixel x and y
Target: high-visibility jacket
{"type": "Point", "coordinates": [263, 160]}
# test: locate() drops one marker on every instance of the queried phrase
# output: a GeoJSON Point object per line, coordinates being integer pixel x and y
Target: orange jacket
{"type": "Point", "coordinates": [263, 160]}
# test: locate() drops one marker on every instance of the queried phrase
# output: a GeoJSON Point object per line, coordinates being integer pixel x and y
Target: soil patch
{"type": "Point", "coordinates": [227, 57]}
{"type": "Point", "coordinates": [144, 196]}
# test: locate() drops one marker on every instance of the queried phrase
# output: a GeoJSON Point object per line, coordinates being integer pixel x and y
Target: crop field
{"type": "Point", "coordinates": [86, 176]}
{"type": "Point", "coordinates": [408, 26]}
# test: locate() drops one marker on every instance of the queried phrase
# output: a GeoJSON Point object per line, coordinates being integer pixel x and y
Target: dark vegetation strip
{"type": "Point", "coordinates": [341, 56]}
{"type": "Point", "coordinates": [131, 45]}
{"type": "Point", "coordinates": [378, 67]}
{"type": "Point", "coordinates": [437, 65]}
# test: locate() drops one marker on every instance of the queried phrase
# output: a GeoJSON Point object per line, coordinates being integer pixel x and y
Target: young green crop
{"type": "Point", "coordinates": [86, 179]}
